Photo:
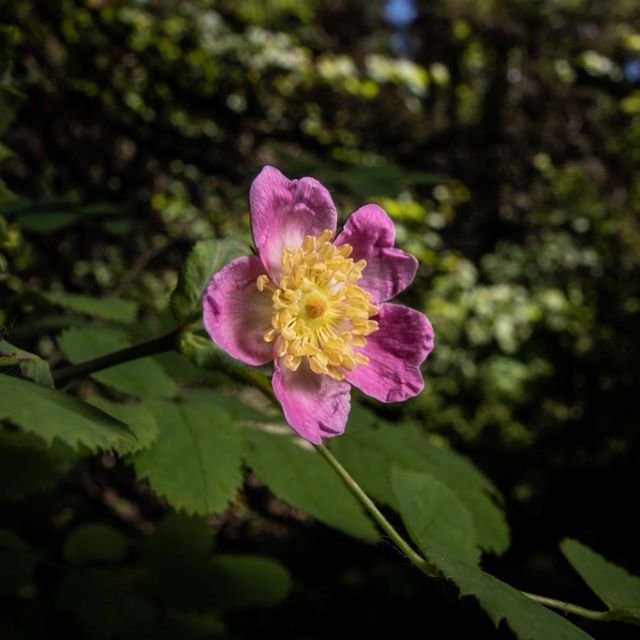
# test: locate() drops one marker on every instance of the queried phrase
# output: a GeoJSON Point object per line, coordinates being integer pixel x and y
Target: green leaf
{"type": "Point", "coordinates": [442, 523]}
{"type": "Point", "coordinates": [195, 625]}
{"type": "Point", "coordinates": [250, 581]}
{"type": "Point", "coordinates": [47, 221]}
{"type": "Point", "coordinates": [369, 455]}
{"type": "Point", "coordinates": [17, 562]}
{"type": "Point", "coordinates": [28, 465]}
{"type": "Point", "coordinates": [528, 619]}
{"type": "Point", "coordinates": [140, 378]}
{"type": "Point", "coordinates": [300, 477]}
{"type": "Point", "coordinates": [195, 462]}
{"type": "Point", "coordinates": [95, 543]}
{"type": "Point", "coordinates": [8, 40]}
{"type": "Point", "coordinates": [177, 562]}
{"type": "Point", "coordinates": [52, 414]}
{"type": "Point", "coordinates": [205, 354]}
{"type": "Point", "coordinates": [28, 364]}
{"type": "Point", "coordinates": [619, 590]}
{"type": "Point", "coordinates": [10, 101]}
{"type": "Point", "coordinates": [207, 257]}
{"type": "Point", "coordinates": [140, 420]}
{"type": "Point", "coordinates": [181, 536]}
{"type": "Point", "coordinates": [110, 309]}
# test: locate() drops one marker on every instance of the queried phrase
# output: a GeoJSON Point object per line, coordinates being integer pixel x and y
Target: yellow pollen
{"type": "Point", "coordinates": [319, 312]}
{"type": "Point", "coordinates": [315, 307]}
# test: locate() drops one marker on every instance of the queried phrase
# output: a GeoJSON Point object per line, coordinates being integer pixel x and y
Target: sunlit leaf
{"type": "Point", "coordinates": [450, 553]}
{"type": "Point", "coordinates": [303, 479]}
{"type": "Point", "coordinates": [207, 257]}
{"type": "Point", "coordinates": [27, 364]}
{"type": "Point", "coordinates": [369, 455]}
{"type": "Point", "coordinates": [195, 461]}
{"type": "Point", "coordinates": [140, 420]}
{"type": "Point", "coordinates": [52, 414]}
{"type": "Point", "coordinates": [613, 585]}
{"type": "Point", "coordinates": [444, 524]}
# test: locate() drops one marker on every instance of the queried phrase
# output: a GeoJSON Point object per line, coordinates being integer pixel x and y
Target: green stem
{"type": "Point", "coordinates": [567, 607]}
{"type": "Point", "coordinates": [415, 558]}
{"type": "Point", "coordinates": [164, 343]}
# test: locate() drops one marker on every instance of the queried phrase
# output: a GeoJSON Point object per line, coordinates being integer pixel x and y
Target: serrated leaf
{"type": "Point", "coordinates": [206, 257]}
{"type": "Point", "coordinates": [52, 414]}
{"type": "Point", "coordinates": [110, 309]}
{"type": "Point", "coordinates": [528, 619]}
{"type": "Point", "coordinates": [17, 562]}
{"type": "Point", "coordinates": [140, 378]}
{"type": "Point", "coordinates": [304, 480]}
{"type": "Point", "coordinates": [94, 543]}
{"type": "Point", "coordinates": [250, 581]}
{"type": "Point", "coordinates": [369, 455]}
{"type": "Point", "coordinates": [619, 590]}
{"type": "Point", "coordinates": [28, 465]}
{"type": "Point", "coordinates": [436, 519]}
{"type": "Point", "coordinates": [140, 420]}
{"type": "Point", "coordinates": [195, 462]}
{"type": "Point", "coordinates": [28, 364]}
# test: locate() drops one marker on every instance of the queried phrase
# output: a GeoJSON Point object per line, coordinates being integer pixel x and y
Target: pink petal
{"type": "Point", "coordinates": [284, 211]}
{"type": "Point", "coordinates": [395, 352]}
{"type": "Point", "coordinates": [314, 405]}
{"type": "Point", "coordinates": [236, 314]}
{"type": "Point", "coordinates": [371, 233]}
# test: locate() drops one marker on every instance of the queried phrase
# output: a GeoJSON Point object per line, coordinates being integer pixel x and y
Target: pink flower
{"type": "Point", "coordinates": [318, 309]}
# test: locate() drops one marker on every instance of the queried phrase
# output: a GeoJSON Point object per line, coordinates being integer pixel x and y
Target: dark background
{"type": "Point", "coordinates": [504, 139]}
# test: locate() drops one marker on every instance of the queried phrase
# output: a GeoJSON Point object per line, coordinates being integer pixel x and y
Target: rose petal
{"type": "Point", "coordinates": [283, 212]}
{"type": "Point", "coordinates": [395, 352]}
{"type": "Point", "coordinates": [371, 233]}
{"type": "Point", "coordinates": [236, 314]}
{"type": "Point", "coordinates": [314, 405]}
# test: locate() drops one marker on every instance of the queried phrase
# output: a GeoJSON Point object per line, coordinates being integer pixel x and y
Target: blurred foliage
{"type": "Point", "coordinates": [505, 144]}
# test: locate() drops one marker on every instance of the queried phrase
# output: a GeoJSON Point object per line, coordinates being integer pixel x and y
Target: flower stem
{"type": "Point", "coordinates": [164, 343]}
{"type": "Point", "coordinates": [567, 607]}
{"type": "Point", "coordinates": [415, 558]}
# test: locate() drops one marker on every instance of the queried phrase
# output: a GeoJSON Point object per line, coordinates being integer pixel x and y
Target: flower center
{"type": "Point", "coordinates": [315, 306]}
{"type": "Point", "coordinates": [319, 312]}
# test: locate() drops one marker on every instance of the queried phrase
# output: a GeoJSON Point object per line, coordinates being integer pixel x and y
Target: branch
{"type": "Point", "coordinates": [164, 343]}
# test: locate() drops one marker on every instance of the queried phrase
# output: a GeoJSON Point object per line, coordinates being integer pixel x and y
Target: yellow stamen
{"type": "Point", "coordinates": [319, 312]}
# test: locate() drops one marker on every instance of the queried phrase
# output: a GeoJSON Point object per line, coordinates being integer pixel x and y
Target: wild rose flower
{"type": "Point", "coordinates": [318, 308]}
